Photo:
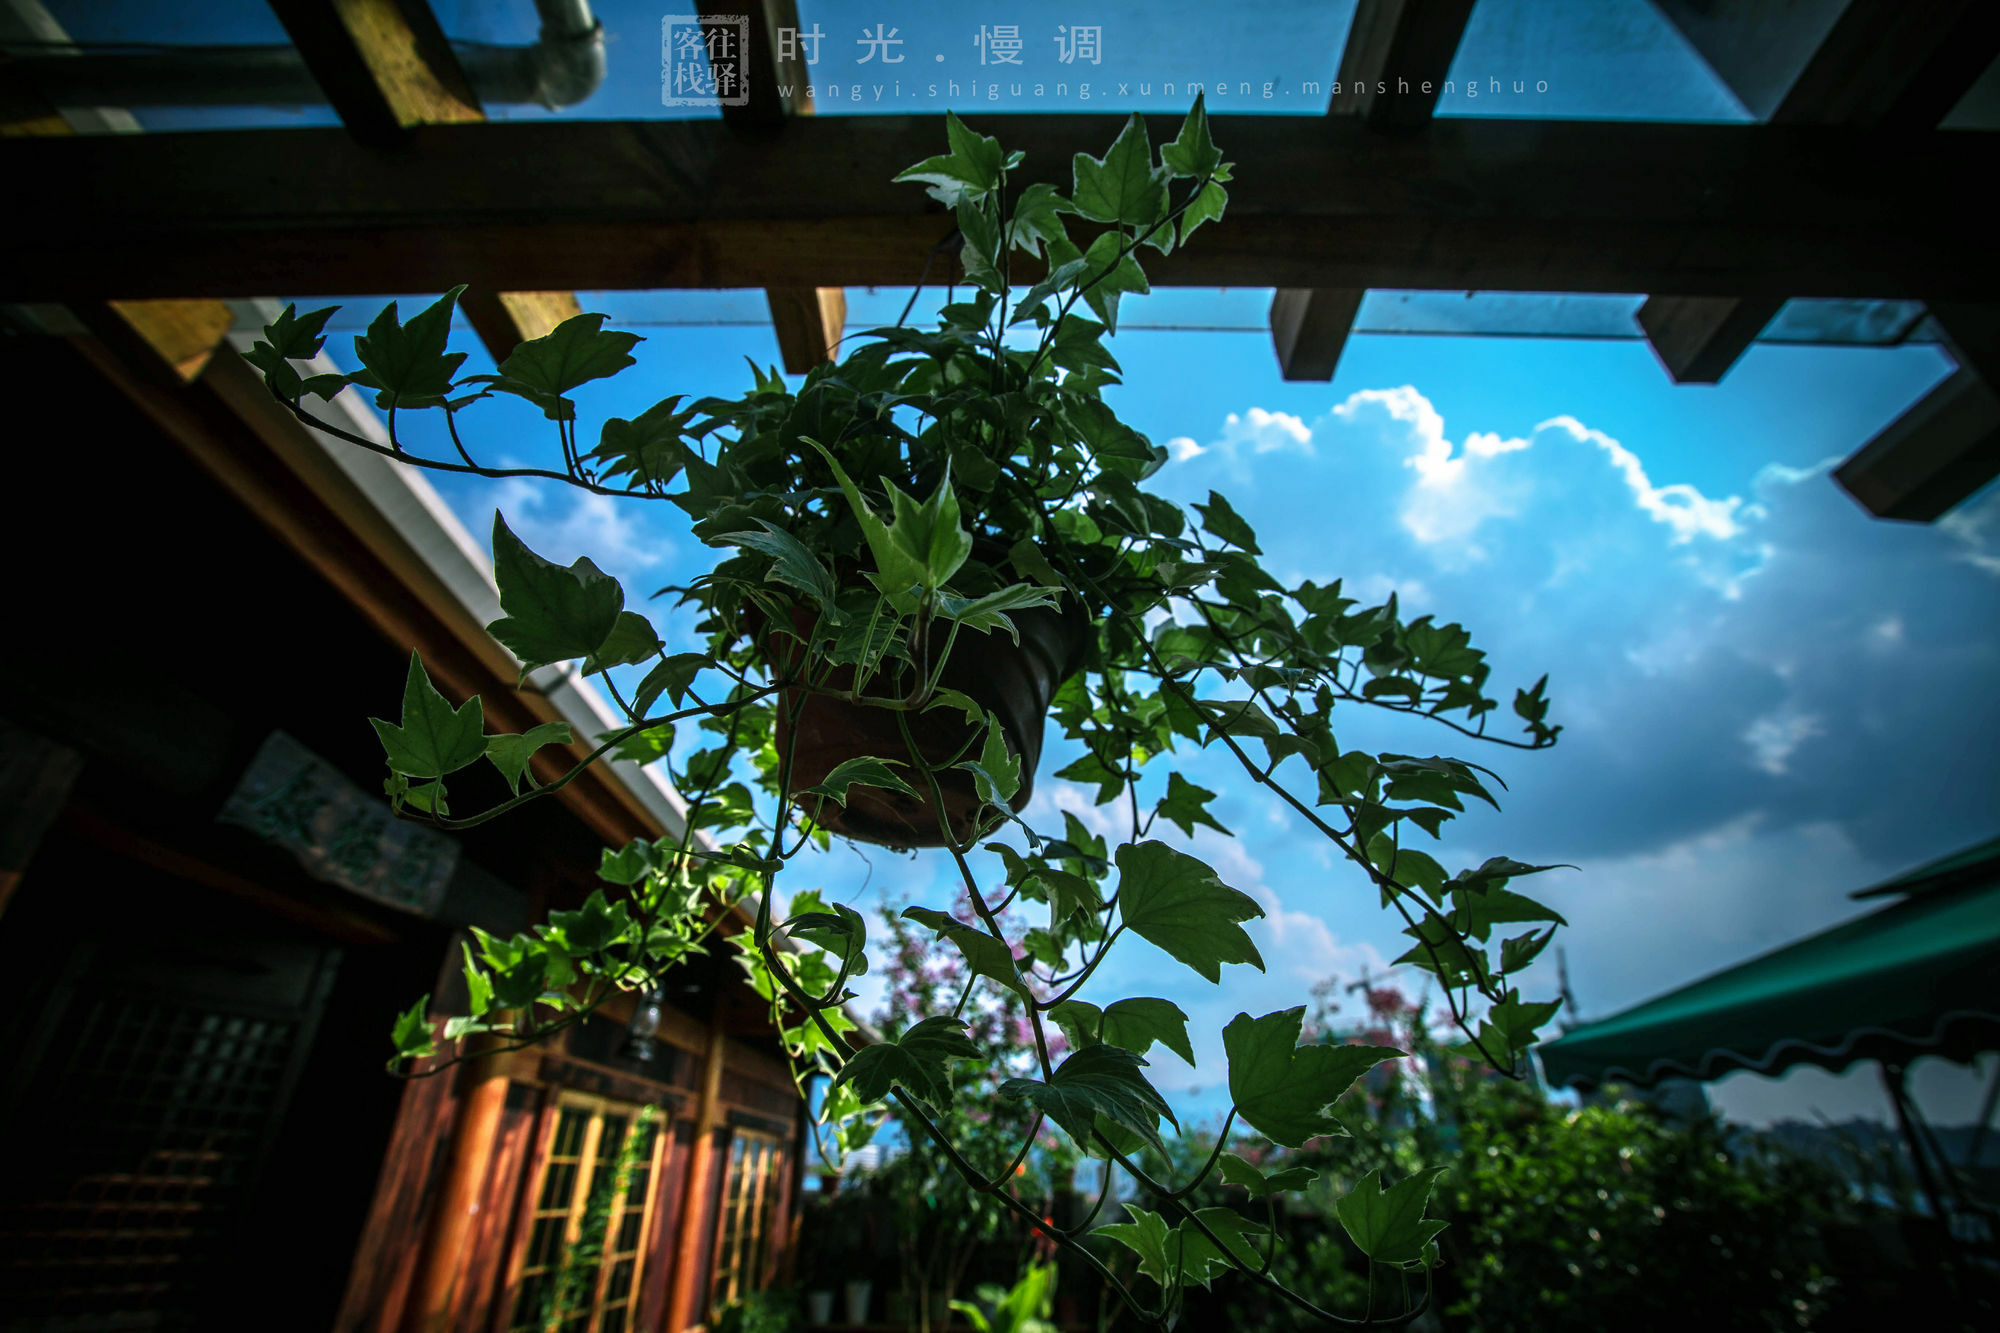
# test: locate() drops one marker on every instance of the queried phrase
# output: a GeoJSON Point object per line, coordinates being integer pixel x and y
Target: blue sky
{"type": "Point", "coordinates": [1770, 699]}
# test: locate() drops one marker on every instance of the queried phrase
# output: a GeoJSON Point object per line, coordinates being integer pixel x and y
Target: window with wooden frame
{"type": "Point", "coordinates": [583, 1140]}
{"type": "Point", "coordinates": [749, 1209]}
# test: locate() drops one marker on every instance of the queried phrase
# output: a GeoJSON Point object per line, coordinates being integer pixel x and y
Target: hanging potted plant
{"type": "Point", "coordinates": [930, 549]}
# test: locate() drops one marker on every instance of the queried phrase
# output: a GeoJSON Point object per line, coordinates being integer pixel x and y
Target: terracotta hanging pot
{"type": "Point", "coordinates": [1015, 682]}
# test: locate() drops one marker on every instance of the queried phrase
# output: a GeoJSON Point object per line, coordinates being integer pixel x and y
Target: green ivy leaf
{"type": "Point", "coordinates": [920, 550]}
{"type": "Point", "coordinates": [792, 564]}
{"type": "Point", "coordinates": [1038, 214]}
{"type": "Point", "coordinates": [1517, 1021]}
{"type": "Point", "coordinates": [1043, 947]}
{"type": "Point", "coordinates": [1097, 1080]}
{"type": "Point", "coordinates": [1236, 1171]}
{"type": "Point", "coordinates": [1220, 521]}
{"type": "Point", "coordinates": [1180, 904]}
{"type": "Point", "coordinates": [1136, 1024]}
{"type": "Point", "coordinates": [864, 771]}
{"type": "Point", "coordinates": [672, 678]}
{"type": "Point", "coordinates": [407, 363]}
{"type": "Point", "coordinates": [918, 1061]}
{"type": "Point", "coordinates": [1194, 153]}
{"type": "Point", "coordinates": [632, 639]}
{"type": "Point", "coordinates": [1518, 952]}
{"type": "Point", "coordinates": [649, 448]}
{"type": "Point", "coordinates": [990, 612]}
{"type": "Point", "coordinates": [1109, 271]}
{"type": "Point", "coordinates": [841, 931]}
{"type": "Point", "coordinates": [628, 864]}
{"type": "Point", "coordinates": [1079, 1020]}
{"type": "Point", "coordinates": [1123, 186]}
{"type": "Point", "coordinates": [980, 254]}
{"type": "Point", "coordinates": [1185, 804]}
{"type": "Point", "coordinates": [997, 773]}
{"type": "Point", "coordinates": [435, 738]}
{"type": "Point", "coordinates": [510, 754]}
{"type": "Point", "coordinates": [412, 1033]}
{"type": "Point", "coordinates": [986, 956]}
{"type": "Point", "coordinates": [572, 354]}
{"type": "Point", "coordinates": [1146, 1235]}
{"type": "Point", "coordinates": [1201, 1261]}
{"type": "Point", "coordinates": [1389, 1225]}
{"type": "Point", "coordinates": [971, 168]}
{"type": "Point", "coordinates": [1282, 1089]}
{"type": "Point", "coordinates": [478, 986]}
{"type": "Point", "coordinates": [1207, 206]}
{"type": "Point", "coordinates": [553, 614]}
{"type": "Point", "coordinates": [298, 337]}
{"type": "Point", "coordinates": [595, 926]}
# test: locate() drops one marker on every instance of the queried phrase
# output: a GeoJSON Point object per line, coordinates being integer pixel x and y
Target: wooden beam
{"type": "Point", "coordinates": [1932, 457]}
{"type": "Point", "coordinates": [1391, 71]}
{"type": "Point", "coordinates": [1843, 62]}
{"type": "Point", "coordinates": [1309, 326]}
{"type": "Point", "coordinates": [1494, 204]}
{"type": "Point", "coordinates": [384, 65]}
{"type": "Point", "coordinates": [1698, 338]}
{"type": "Point", "coordinates": [808, 322]}
{"type": "Point", "coordinates": [1881, 62]}
{"type": "Point", "coordinates": [387, 67]}
{"type": "Point", "coordinates": [157, 338]}
{"type": "Point", "coordinates": [764, 74]}
{"type": "Point", "coordinates": [1888, 62]}
{"type": "Point", "coordinates": [1396, 58]}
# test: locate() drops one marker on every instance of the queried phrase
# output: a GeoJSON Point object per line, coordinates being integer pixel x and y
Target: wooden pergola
{"type": "Point", "coordinates": [1847, 188]}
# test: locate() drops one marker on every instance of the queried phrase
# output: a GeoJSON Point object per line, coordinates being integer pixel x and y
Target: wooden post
{"type": "Point", "coordinates": [694, 1219]}
{"type": "Point", "coordinates": [435, 1294]}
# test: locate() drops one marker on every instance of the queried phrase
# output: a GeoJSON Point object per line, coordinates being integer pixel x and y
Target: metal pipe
{"type": "Point", "coordinates": [565, 65]}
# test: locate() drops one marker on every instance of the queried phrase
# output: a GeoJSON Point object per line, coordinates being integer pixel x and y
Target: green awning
{"type": "Point", "coordinates": [1921, 976]}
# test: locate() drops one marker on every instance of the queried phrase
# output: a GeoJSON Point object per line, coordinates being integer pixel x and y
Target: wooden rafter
{"type": "Point", "coordinates": [1309, 326]}
{"type": "Point", "coordinates": [384, 65]}
{"type": "Point", "coordinates": [807, 320]}
{"type": "Point", "coordinates": [1698, 338]}
{"type": "Point", "coordinates": [1391, 72]}
{"type": "Point", "coordinates": [1396, 58]}
{"type": "Point", "coordinates": [387, 68]}
{"type": "Point", "coordinates": [1882, 64]}
{"type": "Point", "coordinates": [1932, 457]}
{"type": "Point", "coordinates": [1472, 203]}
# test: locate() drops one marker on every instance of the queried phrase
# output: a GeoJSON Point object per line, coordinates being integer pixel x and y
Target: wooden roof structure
{"type": "Point", "coordinates": [1845, 188]}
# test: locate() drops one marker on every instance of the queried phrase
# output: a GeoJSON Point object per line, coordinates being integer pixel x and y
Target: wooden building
{"type": "Point", "coordinates": [210, 919]}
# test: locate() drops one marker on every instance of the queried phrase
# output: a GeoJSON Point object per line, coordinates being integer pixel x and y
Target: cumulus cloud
{"type": "Point", "coordinates": [1246, 435]}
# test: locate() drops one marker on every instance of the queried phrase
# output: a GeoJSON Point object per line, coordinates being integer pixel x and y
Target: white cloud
{"type": "Point", "coordinates": [611, 534]}
{"type": "Point", "coordinates": [1775, 736]}
{"type": "Point", "coordinates": [1680, 506]}
{"type": "Point", "coordinates": [1255, 431]}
